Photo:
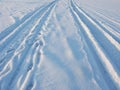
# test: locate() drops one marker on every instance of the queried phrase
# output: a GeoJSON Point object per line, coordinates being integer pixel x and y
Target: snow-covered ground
{"type": "Point", "coordinates": [59, 45]}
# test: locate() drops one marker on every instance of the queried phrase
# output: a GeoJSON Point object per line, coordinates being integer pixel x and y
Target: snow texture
{"type": "Point", "coordinates": [59, 45]}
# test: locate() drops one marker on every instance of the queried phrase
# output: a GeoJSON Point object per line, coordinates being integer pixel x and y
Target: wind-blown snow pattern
{"type": "Point", "coordinates": [58, 45]}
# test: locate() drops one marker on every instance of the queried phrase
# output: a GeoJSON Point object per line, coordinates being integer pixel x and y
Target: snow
{"type": "Point", "coordinates": [59, 45]}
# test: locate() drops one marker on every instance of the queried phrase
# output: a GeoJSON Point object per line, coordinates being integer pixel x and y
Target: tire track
{"type": "Point", "coordinates": [29, 81]}
{"type": "Point", "coordinates": [111, 23]}
{"type": "Point", "coordinates": [10, 29]}
{"type": "Point", "coordinates": [29, 36]}
{"type": "Point", "coordinates": [14, 72]}
{"type": "Point", "coordinates": [103, 41]}
{"type": "Point", "coordinates": [111, 77]}
{"type": "Point", "coordinates": [105, 25]}
{"type": "Point", "coordinates": [97, 26]}
{"type": "Point", "coordinates": [15, 41]}
{"type": "Point", "coordinates": [105, 18]}
{"type": "Point", "coordinates": [110, 32]}
{"type": "Point", "coordinates": [92, 55]}
{"type": "Point", "coordinates": [28, 70]}
{"type": "Point", "coordinates": [20, 28]}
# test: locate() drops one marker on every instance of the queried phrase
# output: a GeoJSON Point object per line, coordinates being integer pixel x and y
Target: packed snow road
{"type": "Point", "coordinates": [61, 46]}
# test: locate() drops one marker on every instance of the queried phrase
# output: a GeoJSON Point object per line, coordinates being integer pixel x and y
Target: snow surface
{"type": "Point", "coordinates": [59, 45]}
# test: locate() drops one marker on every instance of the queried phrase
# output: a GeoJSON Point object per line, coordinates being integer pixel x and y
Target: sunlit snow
{"type": "Point", "coordinates": [59, 45]}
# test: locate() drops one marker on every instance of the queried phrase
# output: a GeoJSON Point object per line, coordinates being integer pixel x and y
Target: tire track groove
{"type": "Point", "coordinates": [104, 61]}
{"type": "Point", "coordinates": [10, 49]}
{"type": "Point", "coordinates": [112, 53]}
{"type": "Point", "coordinates": [29, 43]}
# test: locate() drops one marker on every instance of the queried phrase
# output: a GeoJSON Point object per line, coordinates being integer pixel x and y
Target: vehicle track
{"type": "Point", "coordinates": [36, 53]}
{"type": "Point", "coordinates": [25, 57]}
{"type": "Point", "coordinates": [15, 40]}
{"type": "Point", "coordinates": [89, 31]}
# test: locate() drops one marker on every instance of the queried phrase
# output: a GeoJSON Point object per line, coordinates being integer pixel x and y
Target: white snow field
{"type": "Point", "coordinates": [59, 44]}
